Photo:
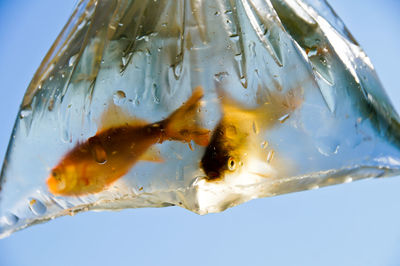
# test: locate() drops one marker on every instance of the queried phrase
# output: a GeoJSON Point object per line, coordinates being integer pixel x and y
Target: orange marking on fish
{"type": "Point", "coordinates": [93, 165]}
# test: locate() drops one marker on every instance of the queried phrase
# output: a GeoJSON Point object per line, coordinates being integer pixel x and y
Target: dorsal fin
{"type": "Point", "coordinates": [115, 116]}
{"type": "Point", "coordinates": [230, 106]}
{"type": "Point", "coordinates": [273, 105]}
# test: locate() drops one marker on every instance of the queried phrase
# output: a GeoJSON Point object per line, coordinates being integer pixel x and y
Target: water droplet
{"type": "Point", "coordinates": [327, 147]}
{"type": "Point", "coordinates": [27, 111]}
{"type": "Point", "coordinates": [243, 81]}
{"type": "Point", "coordinates": [97, 150]}
{"type": "Point", "coordinates": [270, 156]}
{"type": "Point", "coordinates": [264, 144]}
{"type": "Point", "coordinates": [37, 207]}
{"type": "Point", "coordinates": [119, 97]}
{"type": "Point", "coordinates": [255, 127]}
{"type": "Point", "coordinates": [177, 68]}
{"type": "Point", "coordinates": [51, 105]}
{"type": "Point", "coordinates": [221, 76]}
{"type": "Point", "coordinates": [312, 51]}
{"type": "Point", "coordinates": [234, 37]}
{"type": "Point", "coordinates": [124, 60]}
{"type": "Point", "coordinates": [155, 93]}
{"type": "Point", "coordinates": [252, 48]}
{"type": "Point", "coordinates": [282, 119]}
{"type": "Point", "coordinates": [144, 37]}
{"type": "Point", "coordinates": [323, 61]}
{"type": "Point", "coordinates": [72, 60]}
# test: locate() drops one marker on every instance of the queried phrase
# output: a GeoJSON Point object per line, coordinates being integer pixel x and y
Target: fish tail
{"type": "Point", "coordinates": [182, 125]}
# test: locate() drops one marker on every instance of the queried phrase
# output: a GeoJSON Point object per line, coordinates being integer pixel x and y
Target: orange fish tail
{"type": "Point", "coordinates": [182, 125]}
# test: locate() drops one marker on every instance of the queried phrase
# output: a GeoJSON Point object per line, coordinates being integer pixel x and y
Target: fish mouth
{"type": "Point", "coordinates": [212, 176]}
{"type": "Point", "coordinates": [254, 169]}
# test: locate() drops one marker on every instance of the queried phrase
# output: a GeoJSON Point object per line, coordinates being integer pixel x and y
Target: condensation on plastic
{"type": "Point", "coordinates": [148, 56]}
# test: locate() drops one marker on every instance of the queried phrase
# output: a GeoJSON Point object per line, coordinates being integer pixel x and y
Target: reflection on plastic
{"type": "Point", "coordinates": [198, 104]}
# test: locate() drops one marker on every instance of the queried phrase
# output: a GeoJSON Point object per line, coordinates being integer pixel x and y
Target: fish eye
{"type": "Point", "coordinates": [231, 164]}
{"type": "Point", "coordinates": [54, 173]}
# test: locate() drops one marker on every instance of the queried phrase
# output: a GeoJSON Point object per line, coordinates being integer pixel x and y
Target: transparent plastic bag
{"type": "Point", "coordinates": [198, 104]}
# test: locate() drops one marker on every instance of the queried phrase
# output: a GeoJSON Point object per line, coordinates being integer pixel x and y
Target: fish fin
{"type": "Point", "coordinates": [152, 155]}
{"type": "Point", "coordinates": [273, 107]}
{"type": "Point", "coordinates": [115, 116]}
{"type": "Point", "coordinates": [182, 125]}
{"type": "Point", "coordinates": [277, 106]}
{"type": "Point", "coordinates": [233, 111]}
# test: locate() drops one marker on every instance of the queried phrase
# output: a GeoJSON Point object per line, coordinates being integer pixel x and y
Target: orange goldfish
{"type": "Point", "coordinates": [93, 165]}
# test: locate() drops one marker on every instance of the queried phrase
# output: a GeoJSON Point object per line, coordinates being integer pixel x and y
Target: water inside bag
{"type": "Point", "coordinates": [197, 104]}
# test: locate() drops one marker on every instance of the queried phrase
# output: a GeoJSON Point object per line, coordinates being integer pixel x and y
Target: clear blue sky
{"type": "Point", "coordinates": [352, 224]}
